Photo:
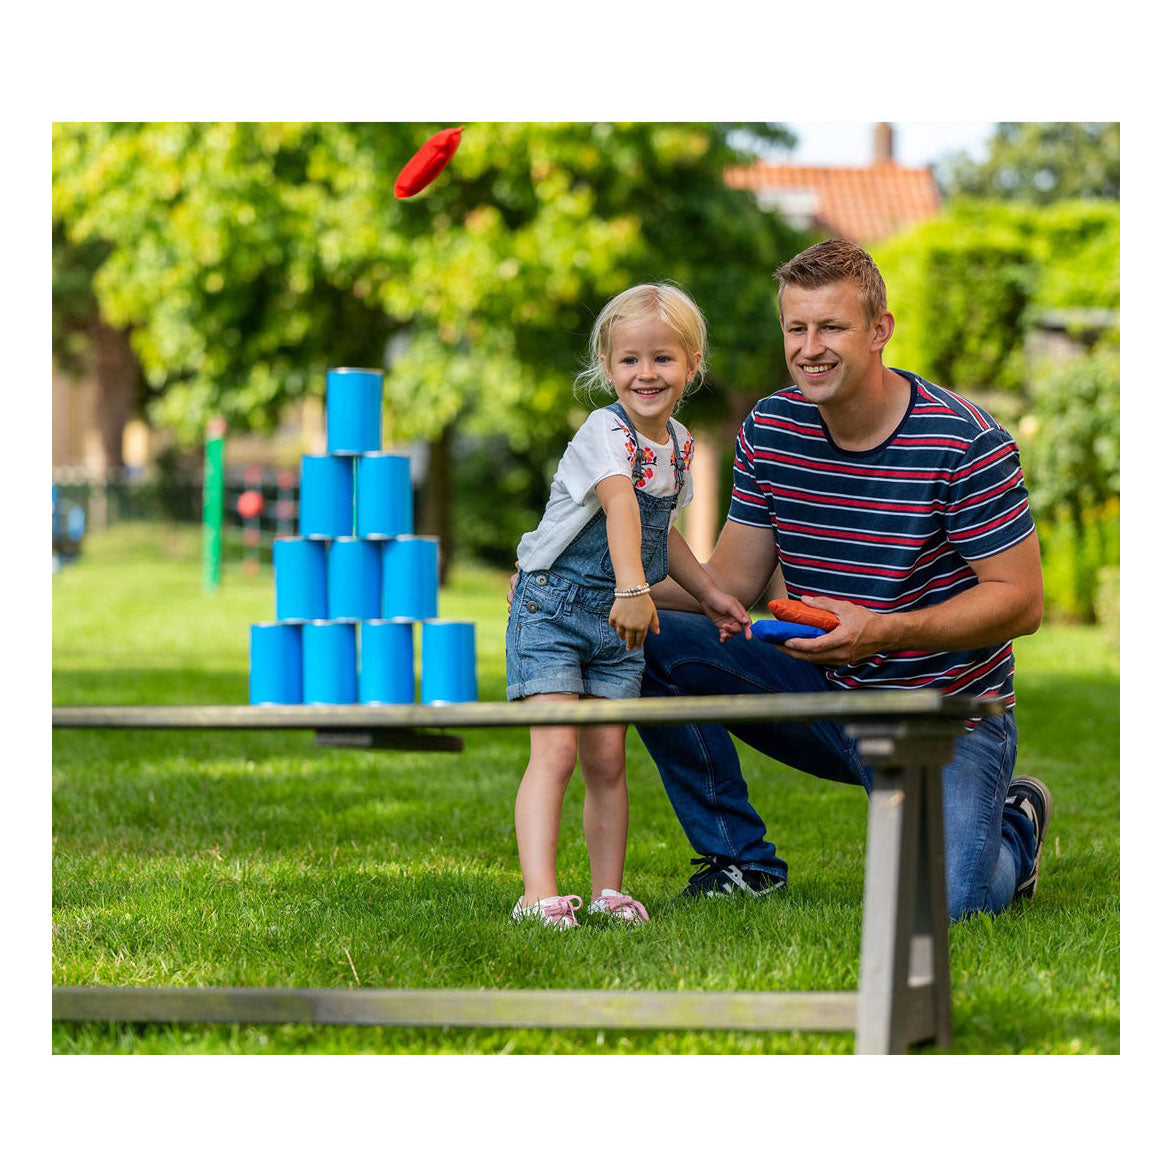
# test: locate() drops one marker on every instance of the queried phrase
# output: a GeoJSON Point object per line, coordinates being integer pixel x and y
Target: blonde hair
{"type": "Point", "coordinates": [662, 302]}
{"type": "Point", "coordinates": [832, 261]}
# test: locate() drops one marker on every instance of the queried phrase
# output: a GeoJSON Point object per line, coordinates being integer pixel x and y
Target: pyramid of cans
{"type": "Point", "coordinates": [355, 582]}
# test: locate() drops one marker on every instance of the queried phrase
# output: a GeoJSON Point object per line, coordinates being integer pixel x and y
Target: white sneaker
{"type": "Point", "coordinates": [556, 911]}
{"type": "Point", "coordinates": [618, 906]}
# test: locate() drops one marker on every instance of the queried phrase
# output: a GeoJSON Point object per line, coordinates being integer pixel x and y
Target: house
{"type": "Point", "coordinates": [863, 204]}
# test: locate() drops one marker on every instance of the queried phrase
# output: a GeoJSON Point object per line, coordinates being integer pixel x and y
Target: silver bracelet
{"type": "Point", "coordinates": [634, 592]}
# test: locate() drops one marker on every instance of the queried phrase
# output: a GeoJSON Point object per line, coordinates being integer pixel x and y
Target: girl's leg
{"type": "Point", "coordinates": [604, 813]}
{"type": "Point", "coordinates": [553, 751]}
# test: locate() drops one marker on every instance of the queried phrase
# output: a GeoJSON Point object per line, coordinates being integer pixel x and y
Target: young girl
{"type": "Point", "coordinates": [581, 606]}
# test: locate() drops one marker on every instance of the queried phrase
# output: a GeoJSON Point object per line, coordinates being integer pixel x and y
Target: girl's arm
{"type": "Point", "coordinates": [723, 609]}
{"type": "Point", "coordinates": [633, 617]}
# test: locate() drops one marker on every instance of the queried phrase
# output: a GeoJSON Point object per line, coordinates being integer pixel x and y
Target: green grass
{"type": "Point", "coordinates": [193, 858]}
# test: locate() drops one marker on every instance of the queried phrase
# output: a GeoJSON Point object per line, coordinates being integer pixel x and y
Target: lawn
{"type": "Point", "coordinates": [211, 858]}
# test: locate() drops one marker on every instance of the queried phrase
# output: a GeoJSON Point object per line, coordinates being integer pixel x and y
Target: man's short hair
{"type": "Point", "coordinates": [832, 261]}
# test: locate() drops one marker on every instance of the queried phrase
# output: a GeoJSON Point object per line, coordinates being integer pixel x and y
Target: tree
{"type": "Point", "coordinates": [1041, 162]}
{"type": "Point", "coordinates": [84, 342]}
{"type": "Point", "coordinates": [245, 259]}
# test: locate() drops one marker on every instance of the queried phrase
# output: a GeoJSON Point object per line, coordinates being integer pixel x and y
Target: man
{"type": "Point", "coordinates": [900, 507]}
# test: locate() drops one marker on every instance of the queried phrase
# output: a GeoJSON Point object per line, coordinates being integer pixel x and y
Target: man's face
{"type": "Point", "coordinates": [830, 345]}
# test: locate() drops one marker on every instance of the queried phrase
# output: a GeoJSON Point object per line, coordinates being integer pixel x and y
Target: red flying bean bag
{"type": "Point", "coordinates": [427, 162]}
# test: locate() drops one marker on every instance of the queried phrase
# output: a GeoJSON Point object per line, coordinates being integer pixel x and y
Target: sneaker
{"type": "Point", "coordinates": [719, 877]}
{"type": "Point", "coordinates": [618, 907]}
{"type": "Point", "coordinates": [1034, 800]}
{"type": "Point", "coordinates": [557, 911]}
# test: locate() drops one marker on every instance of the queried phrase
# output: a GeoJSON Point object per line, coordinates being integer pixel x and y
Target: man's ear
{"type": "Point", "coordinates": [884, 328]}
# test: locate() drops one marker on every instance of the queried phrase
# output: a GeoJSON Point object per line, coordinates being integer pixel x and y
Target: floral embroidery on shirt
{"type": "Point", "coordinates": [643, 461]}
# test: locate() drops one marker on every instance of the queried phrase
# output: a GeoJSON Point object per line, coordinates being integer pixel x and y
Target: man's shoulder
{"type": "Point", "coordinates": [937, 406]}
{"type": "Point", "coordinates": [787, 403]}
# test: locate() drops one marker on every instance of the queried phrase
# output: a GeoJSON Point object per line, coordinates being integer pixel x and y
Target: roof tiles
{"type": "Point", "coordinates": [863, 204]}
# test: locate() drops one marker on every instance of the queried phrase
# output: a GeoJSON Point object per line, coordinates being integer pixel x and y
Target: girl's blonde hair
{"type": "Point", "coordinates": [663, 302]}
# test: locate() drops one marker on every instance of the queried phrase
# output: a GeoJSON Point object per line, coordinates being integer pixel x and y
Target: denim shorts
{"type": "Point", "coordinates": [558, 640]}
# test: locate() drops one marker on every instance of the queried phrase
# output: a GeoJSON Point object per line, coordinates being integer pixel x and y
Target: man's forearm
{"type": "Point", "coordinates": [987, 614]}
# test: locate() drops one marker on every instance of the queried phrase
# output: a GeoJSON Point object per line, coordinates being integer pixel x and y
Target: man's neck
{"type": "Point", "coordinates": [871, 417]}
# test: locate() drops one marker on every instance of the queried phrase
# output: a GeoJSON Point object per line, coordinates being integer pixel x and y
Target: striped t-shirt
{"type": "Point", "coordinates": [890, 528]}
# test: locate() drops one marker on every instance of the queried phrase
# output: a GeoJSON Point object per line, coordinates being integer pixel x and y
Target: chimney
{"type": "Point", "coordinates": [884, 143]}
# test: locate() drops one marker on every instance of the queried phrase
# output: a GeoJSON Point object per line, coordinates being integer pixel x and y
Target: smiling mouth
{"type": "Point", "coordinates": [821, 368]}
{"type": "Point", "coordinates": [648, 392]}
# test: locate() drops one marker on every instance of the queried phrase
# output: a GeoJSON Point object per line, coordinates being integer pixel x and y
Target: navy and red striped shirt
{"type": "Point", "coordinates": [892, 528]}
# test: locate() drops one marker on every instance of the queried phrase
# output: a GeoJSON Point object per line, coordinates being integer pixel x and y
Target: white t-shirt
{"type": "Point", "coordinates": [601, 448]}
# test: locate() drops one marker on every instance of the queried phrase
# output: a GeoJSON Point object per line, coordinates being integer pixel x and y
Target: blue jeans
{"type": "Point", "coordinates": [988, 849]}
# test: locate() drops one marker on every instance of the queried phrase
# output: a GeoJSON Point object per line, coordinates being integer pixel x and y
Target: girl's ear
{"type": "Point", "coordinates": [694, 365]}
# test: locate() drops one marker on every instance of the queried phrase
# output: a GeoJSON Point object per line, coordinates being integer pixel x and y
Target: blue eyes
{"type": "Point", "coordinates": [659, 358]}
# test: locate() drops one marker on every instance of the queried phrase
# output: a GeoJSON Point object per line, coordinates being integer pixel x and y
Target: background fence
{"type": "Point", "coordinates": [269, 496]}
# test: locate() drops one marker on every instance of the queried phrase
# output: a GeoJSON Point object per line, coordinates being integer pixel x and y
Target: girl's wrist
{"type": "Point", "coordinates": [632, 591]}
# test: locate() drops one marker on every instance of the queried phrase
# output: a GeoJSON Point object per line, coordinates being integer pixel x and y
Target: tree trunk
{"type": "Point", "coordinates": [116, 372]}
{"type": "Point", "coordinates": [436, 497]}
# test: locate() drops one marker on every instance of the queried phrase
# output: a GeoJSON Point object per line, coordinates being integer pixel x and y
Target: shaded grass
{"type": "Point", "coordinates": [217, 858]}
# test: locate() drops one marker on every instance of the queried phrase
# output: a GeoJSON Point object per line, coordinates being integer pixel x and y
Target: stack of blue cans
{"type": "Point", "coordinates": [351, 587]}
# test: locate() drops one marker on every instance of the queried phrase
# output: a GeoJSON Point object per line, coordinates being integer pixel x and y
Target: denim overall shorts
{"type": "Point", "coordinates": [558, 638]}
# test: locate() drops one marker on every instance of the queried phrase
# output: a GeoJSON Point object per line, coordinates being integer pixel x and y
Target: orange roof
{"type": "Point", "coordinates": [863, 204]}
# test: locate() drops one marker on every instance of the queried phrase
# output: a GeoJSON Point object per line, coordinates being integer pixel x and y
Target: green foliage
{"type": "Point", "coordinates": [1070, 439]}
{"type": "Point", "coordinates": [250, 257]}
{"type": "Point", "coordinates": [1070, 443]}
{"type": "Point", "coordinates": [959, 290]}
{"type": "Point", "coordinates": [1077, 564]}
{"type": "Point", "coordinates": [75, 308]}
{"type": "Point", "coordinates": [1073, 247]}
{"type": "Point", "coordinates": [213, 858]}
{"type": "Point", "coordinates": [965, 288]}
{"type": "Point", "coordinates": [1042, 163]}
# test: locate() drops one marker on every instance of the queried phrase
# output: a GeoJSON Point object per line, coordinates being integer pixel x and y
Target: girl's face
{"type": "Point", "coordinates": [650, 370]}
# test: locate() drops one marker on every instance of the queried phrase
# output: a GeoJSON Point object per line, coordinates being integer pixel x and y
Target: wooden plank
{"type": "Point", "coordinates": [504, 1008]}
{"type": "Point", "coordinates": [872, 704]}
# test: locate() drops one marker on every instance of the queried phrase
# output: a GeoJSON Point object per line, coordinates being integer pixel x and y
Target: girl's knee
{"type": "Point", "coordinates": [554, 752]}
{"type": "Point", "coordinates": [604, 779]}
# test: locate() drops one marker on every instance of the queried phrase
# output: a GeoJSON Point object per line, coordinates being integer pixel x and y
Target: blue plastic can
{"type": "Point", "coordinates": [411, 578]}
{"type": "Point", "coordinates": [449, 662]}
{"type": "Point", "coordinates": [327, 496]}
{"type": "Point", "coordinates": [386, 672]}
{"type": "Point", "coordinates": [354, 410]}
{"type": "Point", "coordinates": [383, 493]}
{"type": "Point", "coordinates": [354, 579]}
{"type": "Point", "coordinates": [274, 663]}
{"type": "Point", "coordinates": [299, 570]}
{"type": "Point", "coordinates": [329, 657]}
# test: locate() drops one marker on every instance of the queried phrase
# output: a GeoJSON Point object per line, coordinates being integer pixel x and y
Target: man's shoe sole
{"type": "Point", "coordinates": [1029, 888]}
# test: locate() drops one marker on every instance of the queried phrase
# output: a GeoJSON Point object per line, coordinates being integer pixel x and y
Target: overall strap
{"type": "Point", "coordinates": [637, 453]}
{"type": "Point", "coordinates": [637, 460]}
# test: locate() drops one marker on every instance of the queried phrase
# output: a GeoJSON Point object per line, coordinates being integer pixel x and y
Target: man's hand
{"type": "Point", "coordinates": [860, 634]}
